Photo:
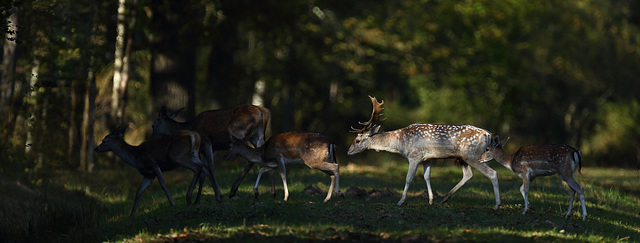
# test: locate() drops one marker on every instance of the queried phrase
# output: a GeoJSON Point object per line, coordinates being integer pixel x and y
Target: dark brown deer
{"type": "Point", "coordinates": [246, 123]}
{"type": "Point", "coordinates": [153, 157]}
{"type": "Point", "coordinates": [421, 142]}
{"type": "Point", "coordinates": [311, 149]}
{"type": "Point", "coordinates": [533, 161]}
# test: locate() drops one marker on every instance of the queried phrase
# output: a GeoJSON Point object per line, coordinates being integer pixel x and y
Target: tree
{"type": "Point", "coordinates": [173, 44]}
{"type": "Point", "coordinates": [8, 70]}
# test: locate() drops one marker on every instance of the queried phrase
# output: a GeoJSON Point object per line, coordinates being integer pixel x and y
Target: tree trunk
{"type": "Point", "coordinates": [173, 55]}
{"type": "Point", "coordinates": [87, 153]}
{"type": "Point", "coordinates": [88, 120]}
{"type": "Point", "coordinates": [122, 57]}
{"type": "Point", "coordinates": [8, 70]}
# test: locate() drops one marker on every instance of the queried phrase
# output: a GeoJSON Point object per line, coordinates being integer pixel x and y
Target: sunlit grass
{"type": "Point", "coordinates": [612, 203]}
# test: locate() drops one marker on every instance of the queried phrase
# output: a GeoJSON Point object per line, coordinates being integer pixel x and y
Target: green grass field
{"type": "Point", "coordinates": [73, 207]}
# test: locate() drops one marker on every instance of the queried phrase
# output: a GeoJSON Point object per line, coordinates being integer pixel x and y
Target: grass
{"type": "Point", "coordinates": [69, 206]}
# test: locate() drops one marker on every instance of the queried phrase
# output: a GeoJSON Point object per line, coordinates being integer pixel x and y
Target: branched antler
{"type": "Point", "coordinates": [376, 115]}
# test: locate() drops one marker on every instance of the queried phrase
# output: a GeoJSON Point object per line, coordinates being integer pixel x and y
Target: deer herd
{"type": "Point", "coordinates": [241, 132]}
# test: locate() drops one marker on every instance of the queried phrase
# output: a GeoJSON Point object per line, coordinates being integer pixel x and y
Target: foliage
{"type": "Point", "coordinates": [536, 71]}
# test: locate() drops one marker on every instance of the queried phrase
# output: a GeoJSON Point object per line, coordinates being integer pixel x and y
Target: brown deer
{"type": "Point", "coordinates": [153, 157]}
{"type": "Point", "coordinates": [246, 123]}
{"type": "Point", "coordinates": [533, 161]}
{"type": "Point", "coordinates": [421, 142]}
{"type": "Point", "coordinates": [311, 149]}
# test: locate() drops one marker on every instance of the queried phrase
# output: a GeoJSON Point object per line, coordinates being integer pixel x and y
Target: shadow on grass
{"type": "Point", "coordinates": [468, 216]}
{"type": "Point", "coordinates": [46, 213]}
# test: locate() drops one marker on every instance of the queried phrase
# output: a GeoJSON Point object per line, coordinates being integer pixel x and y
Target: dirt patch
{"type": "Point", "coordinates": [361, 193]}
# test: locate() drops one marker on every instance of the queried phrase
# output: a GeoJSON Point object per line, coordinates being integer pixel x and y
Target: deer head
{"type": "Point", "coordinates": [360, 143]}
{"type": "Point", "coordinates": [489, 152]}
{"type": "Point", "coordinates": [107, 142]}
{"type": "Point", "coordinates": [240, 148]}
{"type": "Point", "coordinates": [159, 126]}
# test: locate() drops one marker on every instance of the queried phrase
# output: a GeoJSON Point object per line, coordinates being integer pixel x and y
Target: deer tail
{"type": "Point", "coordinates": [579, 153]}
{"type": "Point", "coordinates": [332, 152]}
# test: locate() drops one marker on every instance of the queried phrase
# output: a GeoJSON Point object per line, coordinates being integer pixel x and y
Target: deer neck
{"type": "Point", "coordinates": [503, 158]}
{"type": "Point", "coordinates": [386, 141]}
{"type": "Point", "coordinates": [126, 152]}
{"type": "Point", "coordinates": [174, 125]}
{"type": "Point", "coordinates": [252, 154]}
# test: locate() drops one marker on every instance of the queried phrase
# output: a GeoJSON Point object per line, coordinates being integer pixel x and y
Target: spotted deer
{"type": "Point", "coordinates": [421, 142]}
{"type": "Point", "coordinates": [154, 156]}
{"type": "Point", "coordinates": [246, 123]}
{"type": "Point", "coordinates": [533, 161]}
{"type": "Point", "coordinates": [311, 149]}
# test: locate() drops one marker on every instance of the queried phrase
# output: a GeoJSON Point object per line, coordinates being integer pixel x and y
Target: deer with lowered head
{"type": "Point", "coordinates": [421, 142]}
{"type": "Point", "coordinates": [245, 123]}
{"type": "Point", "coordinates": [533, 161]}
{"type": "Point", "coordinates": [311, 149]}
{"type": "Point", "coordinates": [154, 156]}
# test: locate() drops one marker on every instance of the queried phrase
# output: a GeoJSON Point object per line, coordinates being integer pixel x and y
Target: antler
{"type": "Point", "coordinates": [376, 115]}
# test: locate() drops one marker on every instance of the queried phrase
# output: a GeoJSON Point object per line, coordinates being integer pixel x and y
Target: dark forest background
{"type": "Point", "coordinates": [536, 71]}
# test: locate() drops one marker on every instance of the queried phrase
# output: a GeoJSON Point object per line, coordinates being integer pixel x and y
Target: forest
{"type": "Point", "coordinates": [536, 71]}
{"type": "Point", "coordinates": [540, 72]}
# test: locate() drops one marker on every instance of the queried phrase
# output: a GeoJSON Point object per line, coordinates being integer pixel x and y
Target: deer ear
{"type": "Point", "coordinates": [174, 114]}
{"type": "Point", "coordinates": [503, 142]}
{"type": "Point", "coordinates": [374, 129]}
{"type": "Point", "coordinates": [120, 130]}
{"type": "Point", "coordinates": [163, 112]}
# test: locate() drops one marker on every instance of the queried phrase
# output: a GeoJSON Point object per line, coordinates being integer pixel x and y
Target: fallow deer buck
{"type": "Point", "coordinates": [533, 161]}
{"type": "Point", "coordinates": [311, 149]}
{"type": "Point", "coordinates": [153, 157]}
{"type": "Point", "coordinates": [421, 142]}
{"type": "Point", "coordinates": [246, 123]}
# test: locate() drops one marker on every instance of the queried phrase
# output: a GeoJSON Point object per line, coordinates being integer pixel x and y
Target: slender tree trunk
{"type": "Point", "coordinates": [32, 101]}
{"type": "Point", "coordinates": [88, 120]}
{"type": "Point", "coordinates": [118, 63]}
{"type": "Point", "coordinates": [122, 59]}
{"type": "Point", "coordinates": [87, 162]}
{"type": "Point", "coordinates": [8, 70]}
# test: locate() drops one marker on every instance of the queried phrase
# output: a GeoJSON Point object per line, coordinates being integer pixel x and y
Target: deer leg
{"type": "Point", "coordinates": [200, 177]}
{"type": "Point", "coordinates": [524, 189]}
{"type": "Point", "coordinates": [413, 166]}
{"type": "Point", "coordinates": [283, 175]}
{"type": "Point", "coordinates": [491, 174]}
{"type": "Point", "coordinates": [573, 195]}
{"type": "Point", "coordinates": [196, 174]}
{"type": "Point", "coordinates": [238, 180]}
{"type": "Point", "coordinates": [467, 174]}
{"type": "Point", "coordinates": [273, 183]}
{"type": "Point", "coordinates": [427, 175]}
{"type": "Point", "coordinates": [163, 184]}
{"type": "Point", "coordinates": [197, 165]}
{"type": "Point", "coordinates": [584, 207]}
{"type": "Point", "coordinates": [255, 188]}
{"type": "Point", "coordinates": [145, 183]}
{"type": "Point", "coordinates": [209, 169]}
{"type": "Point", "coordinates": [575, 187]}
{"type": "Point", "coordinates": [333, 171]}
{"type": "Point", "coordinates": [337, 182]}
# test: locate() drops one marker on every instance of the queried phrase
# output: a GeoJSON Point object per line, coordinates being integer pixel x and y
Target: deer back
{"type": "Point", "coordinates": [167, 150]}
{"type": "Point", "coordinates": [243, 122]}
{"type": "Point", "coordinates": [444, 141]}
{"type": "Point", "coordinates": [297, 145]}
{"type": "Point", "coordinates": [559, 158]}
{"type": "Point", "coordinates": [248, 123]}
{"type": "Point", "coordinates": [213, 123]}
